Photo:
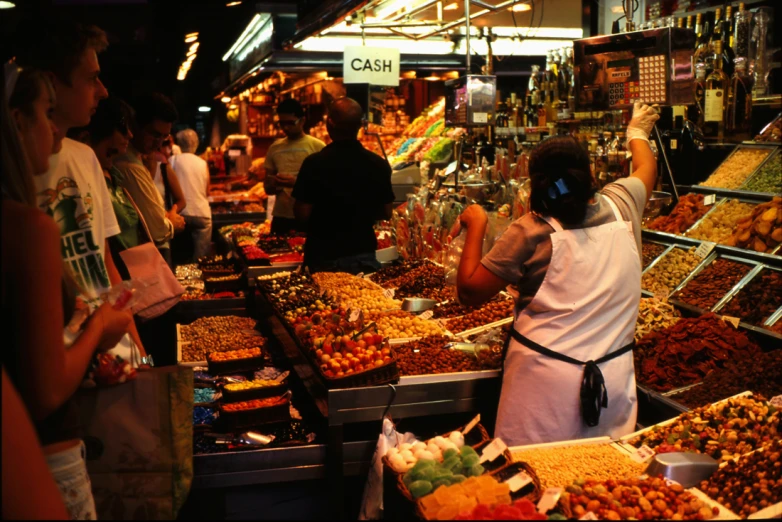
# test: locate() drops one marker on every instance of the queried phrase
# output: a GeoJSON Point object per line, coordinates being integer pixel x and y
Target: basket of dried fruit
{"type": "Point", "coordinates": [235, 361]}
{"type": "Point", "coordinates": [255, 389]}
{"type": "Point", "coordinates": [247, 414]}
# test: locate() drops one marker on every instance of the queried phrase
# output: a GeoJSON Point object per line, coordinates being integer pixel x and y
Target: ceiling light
{"type": "Point", "coordinates": [190, 35]}
{"type": "Point", "coordinates": [204, 108]}
{"type": "Point", "coordinates": [617, 9]}
{"type": "Point", "coordinates": [244, 34]}
{"type": "Point", "coordinates": [231, 4]}
{"type": "Point", "coordinates": [432, 78]}
{"type": "Point", "coordinates": [225, 99]}
{"type": "Point", "coordinates": [233, 106]}
{"type": "Point", "coordinates": [194, 47]}
{"type": "Point", "coordinates": [191, 39]}
{"type": "Point", "coordinates": [517, 8]}
{"type": "Point", "coordinates": [451, 7]}
{"type": "Point", "coordinates": [7, 5]}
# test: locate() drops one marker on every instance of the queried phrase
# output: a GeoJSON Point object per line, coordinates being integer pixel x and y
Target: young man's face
{"type": "Point", "coordinates": [291, 125]}
{"type": "Point", "coordinates": [77, 102]}
{"type": "Point", "coordinates": [150, 137]}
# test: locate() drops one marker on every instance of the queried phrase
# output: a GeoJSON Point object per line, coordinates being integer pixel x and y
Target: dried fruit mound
{"type": "Point", "coordinates": [687, 351]}
{"type": "Point", "coordinates": [761, 374]}
{"type": "Point", "coordinates": [689, 210]}
{"type": "Point", "coordinates": [761, 231]}
{"type": "Point", "coordinates": [758, 300]}
{"type": "Point", "coordinates": [650, 251]}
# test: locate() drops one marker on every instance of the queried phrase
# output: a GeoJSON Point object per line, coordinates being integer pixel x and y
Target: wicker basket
{"type": "Point", "coordinates": [388, 373]}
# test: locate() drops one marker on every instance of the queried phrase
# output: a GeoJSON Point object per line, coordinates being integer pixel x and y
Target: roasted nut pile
{"type": "Point", "coordinates": [355, 292]}
{"type": "Point", "coordinates": [278, 275]}
{"type": "Point", "coordinates": [760, 374]}
{"type": "Point", "coordinates": [403, 325]}
{"type": "Point", "coordinates": [453, 308]}
{"type": "Point", "coordinates": [216, 334]}
{"type": "Point", "coordinates": [558, 467]}
{"type": "Point", "coordinates": [758, 300]}
{"type": "Point", "coordinates": [389, 273]}
{"type": "Point", "coordinates": [684, 215]}
{"type": "Point", "coordinates": [428, 356]}
{"type": "Point", "coordinates": [762, 230]}
{"type": "Point", "coordinates": [777, 327]}
{"type": "Point", "coordinates": [724, 431]}
{"type": "Point", "coordinates": [233, 355]}
{"type": "Point", "coordinates": [636, 499]}
{"type": "Point", "coordinates": [718, 225]}
{"type": "Point", "coordinates": [748, 485]}
{"type": "Point", "coordinates": [669, 271]}
{"type": "Point", "coordinates": [654, 314]}
{"type": "Point", "coordinates": [488, 313]}
{"type": "Point", "coordinates": [768, 178]}
{"type": "Point", "coordinates": [713, 283]}
{"type": "Point", "coordinates": [687, 351]}
{"type": "Point", "coordinates": [735, 170]}
{"type": "Point", "coordinates": [650, 251]}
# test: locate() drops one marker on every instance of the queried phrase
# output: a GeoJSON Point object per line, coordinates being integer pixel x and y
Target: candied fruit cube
{"type": "Point", "coordinates": [447, 513]}
{"type": "Point", "coordinates": [486, 497]}
{"type": "Point", "coordinates": [485, 480]}
{"type": "Point", "coordinates": [470, 482]}
{"type": "Point", "coordinates": [502, 489]}
{"type": "Point", "coordinates": [467, 504]}
{"type": "Point", "coordinates": [504, 499]}
{"type": "Point", "coordinates": [430, 502]}
{"type": "Point", "coordinates": [442, 495]}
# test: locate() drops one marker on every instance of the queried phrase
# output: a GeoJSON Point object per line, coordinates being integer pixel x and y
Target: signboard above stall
{"type": "Point", "coordinates": [372, 65]}
{"type": "Point", "coordinates": [262, 36]}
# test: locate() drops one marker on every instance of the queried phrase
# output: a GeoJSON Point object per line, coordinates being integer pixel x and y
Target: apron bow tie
{"type": "Point", "coordinates": [594, 395]}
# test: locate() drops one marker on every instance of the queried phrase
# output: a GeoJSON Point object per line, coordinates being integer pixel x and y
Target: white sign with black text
{"type": "Point", "coordinates": [373, 65]}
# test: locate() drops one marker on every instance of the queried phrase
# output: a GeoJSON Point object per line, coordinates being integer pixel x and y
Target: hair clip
{"type": "Point", "coordinates": [559, 188]}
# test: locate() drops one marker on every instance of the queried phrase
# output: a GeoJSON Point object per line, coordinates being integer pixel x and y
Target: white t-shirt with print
{"type": "Point", "coordinates": [74, 193]}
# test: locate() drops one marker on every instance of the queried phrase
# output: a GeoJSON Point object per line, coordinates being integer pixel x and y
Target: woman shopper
{"type": "Point", "coordinates": [574, 267]}
{"type": "Point", "coordinates": [38, 294]}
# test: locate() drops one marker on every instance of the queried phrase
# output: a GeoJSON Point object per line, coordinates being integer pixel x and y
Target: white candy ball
{"type": "Point", "coordinates": [405, 446]}
{"type": "Point", "coordinates": [457, 438]}
{"type": "Point", "coordinates": [408, 456]}
{"type": "Point", "coordinates": [390, 453]}
{"type": "Point", "coordinates": [425, 455]}
{"type": "Point", "coordinates": [398, 463]}
{"type": "Point", "coordinates": [418, 446]}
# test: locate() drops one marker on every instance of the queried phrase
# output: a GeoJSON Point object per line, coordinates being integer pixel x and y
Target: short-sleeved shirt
{"type": "Point", "coordinates": [124, 210]}
{"type": "Point", "coordinates": [286, 157]}
{"type": "Point", "coordinates": [193, 175]}
{"type": "Point", "coordinates": [523, 253]}
{"type": "Point", "coordinates": [347, 187]}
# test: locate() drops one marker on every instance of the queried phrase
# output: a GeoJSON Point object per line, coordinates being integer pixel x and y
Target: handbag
{"type": "Point", "coordinates": [139, 439]}
{"type": "Point", "coordinates": [145, 264]}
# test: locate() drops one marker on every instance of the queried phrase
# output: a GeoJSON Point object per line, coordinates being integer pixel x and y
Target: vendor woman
{"type": "Point", "coordinates": [574, 267]}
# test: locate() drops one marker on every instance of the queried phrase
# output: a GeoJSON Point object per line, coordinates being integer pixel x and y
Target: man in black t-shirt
{"type": "Point", "coordinates": [340, 193]}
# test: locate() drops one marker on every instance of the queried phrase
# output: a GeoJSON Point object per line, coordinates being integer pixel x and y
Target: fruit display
{"type": "Point", "coordinates": [429, 356]}
{"type": "Point", "coordinates": [234, 355]}
{"type": "Point", "coordinates": [684, 215]}
{"type": "Point", "coordinates": [686, 352]}
{"type": "Point", "coordinates": [762, 230]}
{"type": "Point", "coordinates": [713, 283]}
{"type": "Point", "coordinates": [650, 252]}
{"type": "Point", "coordinates": [669, 271]}
{"type": "Point", "coordinates": [407, 455]}
{"type": "Point", "coordinates": [635, 499]}
{"type": "Point", "coordinates": [768, 178]}
{"type": "Point", "coordinates": [758, 300]}
{"type": "Point", "coordinates": [772, 132]}
{"type": "Point", "coordinates": [251, 385]}
{"type": "Point", "coordinates": [761, 374]}
{"type": "Point", "coordinates": [749, 484]}
{"type": "Point", "coordinates": [447, 502]}
{"type": "Point", "coordinates": [560, 466]}
{"type": "Point", "coordinates": [427, 475]}
{"type": "Point", "coordinates": [717, 226]}
{"type": "Point", "coordinates": [654, 314]}
{"type": "Point", "coordinates": [735, 170]}
{"type": "Point", "coordinates": [403, 325]}
{"type": "Point", "coordinates": [218, 334]}
{"type": "Point", "coordinates": [254, 404]}
{"type": "Point", "coordinates": [723, 430]}
{"type": "Point", "coordinates": [521, 509]}
{"type": "Point", "coordinates": [491, 312]}
{"type": "Point", "coordinates": [355, 292]}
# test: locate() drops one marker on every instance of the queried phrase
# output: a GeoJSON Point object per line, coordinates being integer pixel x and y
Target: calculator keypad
{"type": "Point", "coordinates": [650, 87]}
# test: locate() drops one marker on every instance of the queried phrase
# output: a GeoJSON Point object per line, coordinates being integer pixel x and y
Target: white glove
{"type": "Point", "coordinates": [642, 123]}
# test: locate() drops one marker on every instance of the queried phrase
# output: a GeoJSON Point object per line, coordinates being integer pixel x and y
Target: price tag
{"type": "Point", "coordinates": [549, 499]}
{"type": "Point", "coordinates": [493, 450]}
{"type": "Point", "coordinates": [518, 481]}
{"type": "Point", "coordinates": [281, 377]}
{"type": "Point", "coordinates": [388, 293]}
{"type": "Point", "coordinates": [354, 313]}
{"type": "Point", "coordinates": [705, 249]}
{"type": "Point", "coordinates": [674, 146]}
{"type": "Point", "coordinates": [427, 315]}
{"type": "Point", "coordinates": [471, 424]}
{"type": "Point", "coordinates": [642, 454]}
{"type": "Point", "coordinates": [480, 117]}
{"type": "Point", "coordinates": [588, 516]}
{"type": "Point", "coordinates": [732, 320]}
{"type": "Point", "coordinates": [360, 274]}
{"type": "Point", "coordinates": [709, 199]}
{"type": "Point", "coordinates": [776, 401]}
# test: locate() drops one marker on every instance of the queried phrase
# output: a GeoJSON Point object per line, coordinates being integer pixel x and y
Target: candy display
{"type": "Point", "coordinates": [423, 280]}
{"type": "Point", "coordinates": [749, 484]}
{"type": "Point", "coordinates": [713, 283]}
{"type": "Point", "coordinates": [218, 334]}
{"type": "Point", "coordinates": [762, 230]}
{"type": "Point", "coordinates": [407, 455]}
{"type": "Point", "coordinates": [251, 385]}
{"type": "Point", "coordinates": [768, 178]}
{"type": "Point", "coordinates": [204, 416]}
{"type": "Point", "coordinates": [635, 498]}
{"type": "Point", "coordinates": [254, 404]}
{"type": "Point", "coordinates": [385, 275]}
{"type": "Point", "coordinates": [203, 395]}
{"type": "Point", "coordinates": [216, 265]}
{"type": "Point", "coordinates": [560, 466]}
{"type": "Point", "coordinates": [758, 300]}
{"type": "Point", "coordinates": [669, 271]}
{"type": "Point", "coordinates": [717, 226]}
{"type": "Point", "coordinates": [355, 292]}
{"type": "Point", "coordinates": [429, 356]}
{"type": "Point", "coordinates": [650, 252]}
{"type": "Point", "coordinates": [488, 313]}
{"type": "Point", "coordinates": [234, 355]}
{"type": "Point", "coordinates": [723, 430]}
{"type": "Point", "coordinates": [447, 502]}
{"type": "Point", "coordinates": [403, 325]}
{"type": "Point", "coordinates": [684, 215]}
{"type": "Point", "coordinates": [654, 314]}
{"type": "Point", "coordinates": [224, 278]}
{"type": "Point", "coordinates": [733, 172]}
{"type": "Point", "coordinates": [521, 509]}
{"type": "Point", "coordinates": [427, 475]}
{"type": "Point", "coordinates": [686, 352]}
{"type": "Point", "coordinates": [761, 374]}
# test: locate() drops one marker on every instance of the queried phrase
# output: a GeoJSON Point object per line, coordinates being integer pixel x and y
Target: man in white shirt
{"type": "Point", "coordinates": [193, 175]}
{"type": "Point", "coordinates": [74, 192]}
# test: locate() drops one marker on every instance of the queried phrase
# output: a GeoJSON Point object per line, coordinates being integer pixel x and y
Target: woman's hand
{"type": "Point", "coordinates": [473, 216]}
{"type": "Point", "coordinates": [642, 123]}
{"type": "Point", "coordinates": [114, 324]}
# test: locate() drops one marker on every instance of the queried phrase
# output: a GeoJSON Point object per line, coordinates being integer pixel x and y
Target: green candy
{"type": "Point", "coordinates": [458, 478]}
{"type": "Point", "coordinates": [442, 474]}
{"type": "Point", "coordinates": [450, 452]}
{"type": "Point", "coordinates": [442, 482]}
{"type": "Point", "coordinates": [476, 471]}
{"type": "Point", "coordinates": [470, 461]}
{"type": "Point", "coordinates": [557, 516]}
{"type": "Point", "coordinates": [427, 473]}
{"type": "Point", "coordinates": [408, 479]}
{"type": "Point", "coordinates": [467, 450]}
{"type": "Point", "coordinates": [419, 488]}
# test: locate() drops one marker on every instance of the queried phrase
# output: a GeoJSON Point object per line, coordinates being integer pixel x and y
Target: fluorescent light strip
{"type": "Point", "coordinates": [255, 39]}
{"type": "Point", "coordinates": [239, 40]}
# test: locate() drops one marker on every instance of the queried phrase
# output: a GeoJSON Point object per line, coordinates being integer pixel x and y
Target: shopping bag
{"type": "Point", "coordinates": [162, 291]}
{"type": "Point", "coordinates": [139, 438]}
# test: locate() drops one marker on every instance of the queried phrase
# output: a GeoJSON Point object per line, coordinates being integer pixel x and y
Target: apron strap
{"type": "Point", "coordinates": [613, 206]}
{"type": "Point", "coordinates": [594, 395]}
{"type": "Point", "coordinates": [552, 222]}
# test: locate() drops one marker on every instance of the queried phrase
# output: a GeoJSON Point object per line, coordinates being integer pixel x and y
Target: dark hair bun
{"type": "Point", "coordinates": [561, 180]}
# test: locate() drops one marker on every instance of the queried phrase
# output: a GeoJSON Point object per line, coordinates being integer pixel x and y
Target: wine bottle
{"type": "Point", "coordinates": [740, 102]}
{"type": "Point", "coordinates": [728, 55]}
{"type": "Point", "coordinates": [741, 32]}
{"type": "Point", "coordinates": [715, 101]}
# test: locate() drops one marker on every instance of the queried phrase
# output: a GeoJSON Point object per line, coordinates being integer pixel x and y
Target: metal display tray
{"type": "Point", "coordinates": [770, 147]}
{"type": "Point", "coordinates": [757, 171]}
{"type": "Point", "coordinates": [662, 256]}
{"type": "Point", "coordinates": [665, 251]}
{"type": "Point", "coordinates": [738, 288]}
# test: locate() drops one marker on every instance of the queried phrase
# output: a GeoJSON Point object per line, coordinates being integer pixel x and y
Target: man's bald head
{"type": "Point", "coordinates": [344, 119]}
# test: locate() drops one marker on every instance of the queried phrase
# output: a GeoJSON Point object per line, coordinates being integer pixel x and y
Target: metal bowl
{"type": "Point", "coordinates": [657, 203]}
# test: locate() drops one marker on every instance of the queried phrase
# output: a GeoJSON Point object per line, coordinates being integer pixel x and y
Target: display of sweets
{"type": "Point", "coordinates": [233, 355]}
{"type": "Point", "coordinates": [717, 226]}
{"type": "Point", "coordinates": [654, 314]}
{"type": "Point", "coordinates": [650, 252]}
{"type": "Point", "coordinates": [669, 271]}
{"type": "Point", "coordinates": [758, 300]}
{"type": "Point", "coordinates": [355, 292]}
{"type": "Point", "coordinates": [488, 313]}
{"type": "Point", "coordinates": [427, 475]}
{"type": "Point", "coordinates": [255, 404]}
{"type": "Point", "coordinates": [251, 385]}
{"type": "Point", "coordinates": [521, 509]}
{"type": "Point", "coordinates": [203, 416]}
{"type": "Point", "coordinates": [768, 178]}
{"type": "Point", "coordinates": [403, 325]}
{"type": "Point", "coordinates": [762, 230]}
{"type": "Point", "coordinates": [203, 395]}
{"type": "Point", "coordinates": [713, 282]}
{"type": "Point", "coordinates": [407, 455]}
{"type": "Point", "coordinates": [448, 501]}
{"type": "Point", "coordinates": [735, 170]}
{"type": "Point", "coordinates": [684, 215]}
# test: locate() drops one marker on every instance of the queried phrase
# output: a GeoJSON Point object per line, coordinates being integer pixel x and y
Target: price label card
{"type": "Point", "coordinates": [518, 481]}
{"type": "Point", "coordinates": [549, 499]}
{"type": "Point", "coordinates": [588, 516]}
{"type": "Point", "coordinates": [360, 274]}
{"type": "Point", "coordinates": [493, 450]}
{"type": "Point", "coordinates": [705, 249]}
{"type": "Point", "coordinates": [388, 293]}
{"type": "Point", "coordinates": [709, 199]}
{"type": "Point", "coordinates": [642, 454]}
{"type": "Point", "coordinates": [354, 314]}
{"type": "Point", "coordinates": [776, 401]}
{"type": "Point", "coordinates": [281, 377]}
{"type": "Point", "coordinates": [471, 424]}
{"type": "Point", "coordinates": [427, 315]}
{"type": "Point", "coordinates": [732, 320]}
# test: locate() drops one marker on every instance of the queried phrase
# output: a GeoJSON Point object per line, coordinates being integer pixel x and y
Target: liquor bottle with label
{"type": "Point", "coordinates": [741, 32]}
{"type": "Point", "coordinates": [701, 41]}
{"type": "Point", "coordinates": [680, 22]}
{"type": "Point", "coordinates": [563, 80]}
{"type": "Point", "coordinates": [728, 56]}
{"type": "Point", "coordinates": [501, 119]}
{"type": "Point", "coordinates": [740, 109]}
{"type": "Point", "coordinates": [534, 80]}
{"type": "Point", "coordinates": [715, 103]}
{"type": "Point", "coordinates": [688, 24]}
{"type": "Point", "coordinates": [716, 35]}
{"type": "Point", "coordinates": [699, 91]}
{"type": "Point", "coordinates": [530, 114]}
{"type": "Point", "coordinates": [514, 118]}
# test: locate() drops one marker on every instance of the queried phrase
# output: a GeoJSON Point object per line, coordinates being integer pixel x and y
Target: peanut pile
{"type": "Point", "coordinates": [669, 271]}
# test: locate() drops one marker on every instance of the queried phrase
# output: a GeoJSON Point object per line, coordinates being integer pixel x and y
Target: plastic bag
{"type": "Point", "coordinates": [124, 295]}
{"type": "Point", "coordinates": [451, 262]}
